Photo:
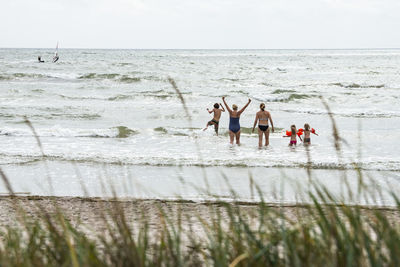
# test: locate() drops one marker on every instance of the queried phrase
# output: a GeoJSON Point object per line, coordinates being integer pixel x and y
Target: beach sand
{"type": "Point", "coordinates": [90, 214]}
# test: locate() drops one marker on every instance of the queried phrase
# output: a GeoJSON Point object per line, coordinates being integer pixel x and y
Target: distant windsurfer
{"type": "Point", "coordinates": [39, 58]}
{"type": "Point", "coordinates": [56, 57]}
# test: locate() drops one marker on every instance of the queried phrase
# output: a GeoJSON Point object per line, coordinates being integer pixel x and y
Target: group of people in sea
{"type": "Point", "coordinates": [263, 117]}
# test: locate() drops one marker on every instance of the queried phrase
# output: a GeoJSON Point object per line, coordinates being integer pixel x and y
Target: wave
{"type": "Point", "coordinates": [122, 78]}
{"type": "Point", "coordinates": [167, 161]}
{"type": "Point", "coordinates": [281, 91]}
{"type": "Point", "coordinates": [124, 132]}
{"type": "Point", "coordinates": [164, 95]}
{"type": "Point", "coordinates": [283, 97]}
{"type": "Point", "coordinates": [120, 97]}
{"type": "Point", "coordinates": [195, 131]}
{"type": "Point", "coordinates": [110, 76]}
{"type": "Point", "coordinates": [160, 94]}
{"type": "Point", "coordinates": [128, 79]}
{"type": "Point", "coordinates": [80, 97]}
{"type": "Point", "coordinates": [229, 79]}
{"type": "Point", "coordinates": [99, 76]}
{"type": "Point", "coordinates": [52, 116]}
{"type": "Point", "coordinates": [113, 132]}
{"type": "Point", "coordinates": [356, 114]}
{"type": "Point", "coordinates": [356, 85]}
{"type": "Point", "coordinates": [19, 75]}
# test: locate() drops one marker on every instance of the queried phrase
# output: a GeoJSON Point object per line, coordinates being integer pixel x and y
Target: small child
{"type": "Point", "coordinates": [217, 115]}
{"type": "Point", "coordinates": [307, 134]}
{"type": "Point", "coordinates": [293, 135]}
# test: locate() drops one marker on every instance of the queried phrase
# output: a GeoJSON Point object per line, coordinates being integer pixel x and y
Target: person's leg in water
{"type": "Point", "coordinates": [260, 137]}
{"type": "Point", "coordinates": [238, 138]}
{"type": "Point", "coordinates": [216, 128]}
{"type": "Point", "coordinates": [266, 137]}
{"type": "Point", "coordinates": [208, 124]}
{"type": "Point", "coordinates": [231, 136]}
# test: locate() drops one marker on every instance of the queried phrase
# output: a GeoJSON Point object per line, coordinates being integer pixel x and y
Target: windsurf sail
{"type": "Point", "coordinates": [56, 57]}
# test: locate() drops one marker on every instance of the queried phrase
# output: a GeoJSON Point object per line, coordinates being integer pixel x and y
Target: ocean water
{"type": "Point", "coordinates": [113, 113]}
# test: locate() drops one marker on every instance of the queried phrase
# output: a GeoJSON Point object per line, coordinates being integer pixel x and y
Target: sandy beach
{"type": "Point", "coordinates": [90, 214]}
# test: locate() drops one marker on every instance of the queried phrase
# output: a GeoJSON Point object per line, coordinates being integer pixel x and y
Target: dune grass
{"type": "Point", "coordinates": [325, 232]}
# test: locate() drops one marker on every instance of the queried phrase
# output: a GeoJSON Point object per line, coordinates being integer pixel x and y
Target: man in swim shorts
{"type": "Point", "coordinates": [217, 115]}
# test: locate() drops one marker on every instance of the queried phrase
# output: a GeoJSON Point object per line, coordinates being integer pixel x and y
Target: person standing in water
{"type": "Point", "coordinates": [262, 118]}
{"type": "Point", "coordinates": [217, 115]}
{"type": "Point", "coordinates": [234, 125]}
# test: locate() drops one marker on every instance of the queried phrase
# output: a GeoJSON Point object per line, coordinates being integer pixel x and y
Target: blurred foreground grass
{"type": "Point", "coordinates": [46, 231]}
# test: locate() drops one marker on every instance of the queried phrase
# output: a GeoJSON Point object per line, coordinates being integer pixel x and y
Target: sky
{"type": "Point", "coordinates": [200, 24]}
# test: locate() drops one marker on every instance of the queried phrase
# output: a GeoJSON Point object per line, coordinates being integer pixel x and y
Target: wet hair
{"type": "Point", "coordinates": [216, 105]}
{"type": "Point", "coordinates": [306, 127]}
{"type": "Point", "coordinates": [293, 129]}
{"type": "Point", "coordinates": [234, 107]}
{"type": "Point", "coordinates": [262, 106]}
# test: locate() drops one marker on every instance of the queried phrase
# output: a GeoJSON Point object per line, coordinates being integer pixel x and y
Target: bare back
{"type": "Point", "coordinates": [217, 113]}
{"type": "Point", "coordinates": [263, 117]}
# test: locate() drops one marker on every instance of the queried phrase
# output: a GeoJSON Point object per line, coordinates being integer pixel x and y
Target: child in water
{"type": "Point", "coordinates": [217, 115]}
{"type": "Point", "coordinates": [307, 134]}
{"type": "Point", "coordinates": [293, 136]}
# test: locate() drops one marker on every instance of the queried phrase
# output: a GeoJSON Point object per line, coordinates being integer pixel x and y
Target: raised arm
{"type": "Point", "coordinates": [248, 103]}
{"type": "Point", "coordinates": [272, 123]}
{"type": "Point", "coordinates": [255, 123]}
{"type": "Point", "coordinates": [222, 107]}
{"type": "Point", "coordinates": [210, 111]}
{"type": "Point", "coordinates": [226, 105]}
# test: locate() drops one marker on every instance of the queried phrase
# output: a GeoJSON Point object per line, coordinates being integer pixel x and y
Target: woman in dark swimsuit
{"type": "Point", "coordinates": [262, 118]}
{"type": "Point", "coordinates": [234, 125]}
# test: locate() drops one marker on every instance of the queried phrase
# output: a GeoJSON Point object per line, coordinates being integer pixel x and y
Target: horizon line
{"type": "Point", "coordinates": [98, 48]}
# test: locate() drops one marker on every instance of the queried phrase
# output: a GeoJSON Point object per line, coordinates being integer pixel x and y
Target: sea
{"type": "Point", "coordinates": [108, 122]}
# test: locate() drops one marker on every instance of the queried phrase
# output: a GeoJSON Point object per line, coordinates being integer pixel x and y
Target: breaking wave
{"type": "Point", "coordinates": [167, 161]}
{"type": "Point", "coordinates": [113, 132]}
{"type": "Point", "coordinates": [356, 85]}
{"type": "Point", "coordinates": [283, 96]}
{"type": "Point", "coordinates": [19, 75]}
{"type": "Point", "coordinates": [122, 78]}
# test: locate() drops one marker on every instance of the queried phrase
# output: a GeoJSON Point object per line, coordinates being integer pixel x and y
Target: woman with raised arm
{"type": "Point", "coordinates": [262, 118]}
{"type": "Point", "coordinates": [234, 116]}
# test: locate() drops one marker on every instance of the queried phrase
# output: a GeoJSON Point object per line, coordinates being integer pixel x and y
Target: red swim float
{"type": "Point", "coordinates": [313, 131]}
{"type": "Point", "coordinates": [289, 133]}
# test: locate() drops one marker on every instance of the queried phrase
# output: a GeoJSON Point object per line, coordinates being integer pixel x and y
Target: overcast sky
{"type": "Point", "coordinates": [200, 23]}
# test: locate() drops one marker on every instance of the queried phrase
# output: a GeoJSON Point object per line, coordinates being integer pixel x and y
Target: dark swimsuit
{"type": "Point", "coordinates": [213, 121]}
{"type": "Point", "coordinates": [234, 124]}
{"type": "Point", "coordinates": [263, 127]}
